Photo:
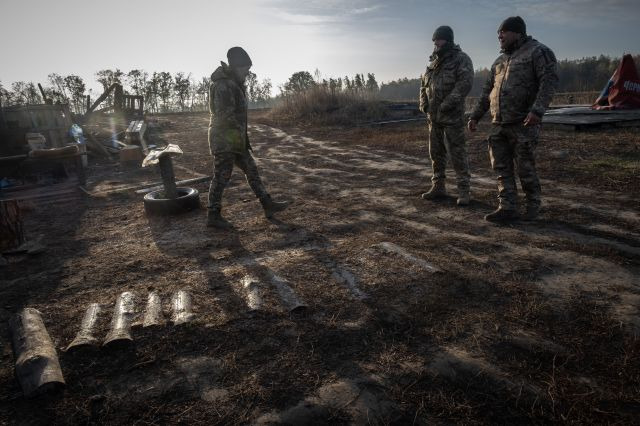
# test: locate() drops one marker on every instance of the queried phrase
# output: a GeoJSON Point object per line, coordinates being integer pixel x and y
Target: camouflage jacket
{"type": "Point", "coordinates": [519, 82]}
{"type": "Point", "coordinates": [228, 109]}
{"type": "Point", "coordinates": [445, 85]}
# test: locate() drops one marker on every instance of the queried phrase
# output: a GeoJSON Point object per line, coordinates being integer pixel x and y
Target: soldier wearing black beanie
{"type": "Point", "coordinates": [443, 33]}
{"type": "Point", "coordinates": [515, 24]}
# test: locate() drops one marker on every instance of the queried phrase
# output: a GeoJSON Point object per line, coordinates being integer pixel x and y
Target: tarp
{"type": "Point", "coordinates": [623, 88]}
{"type": "Point", "coordinates": [154, 156]}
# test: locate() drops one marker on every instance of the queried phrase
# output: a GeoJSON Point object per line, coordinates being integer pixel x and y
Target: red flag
{"type": "Point", "coordinates": [623, 89]}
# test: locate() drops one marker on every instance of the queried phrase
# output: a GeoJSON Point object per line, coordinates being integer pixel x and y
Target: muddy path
{"type": "Point", "coordinates": [360, 304]}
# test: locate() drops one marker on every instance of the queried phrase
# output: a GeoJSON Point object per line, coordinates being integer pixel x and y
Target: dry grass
{"type": "Point", "coordinates": [321, 105]}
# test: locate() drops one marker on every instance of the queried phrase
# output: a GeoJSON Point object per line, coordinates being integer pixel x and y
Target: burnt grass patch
{"type": "Point", "coordinates": [476, 343]}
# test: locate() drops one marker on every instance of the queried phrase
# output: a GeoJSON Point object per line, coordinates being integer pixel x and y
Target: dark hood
{"type": "Point", "coordinates": [223, 72]}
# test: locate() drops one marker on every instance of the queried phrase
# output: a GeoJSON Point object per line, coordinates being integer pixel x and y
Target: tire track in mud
{"type": "Point", "coordinates": [375, 187]}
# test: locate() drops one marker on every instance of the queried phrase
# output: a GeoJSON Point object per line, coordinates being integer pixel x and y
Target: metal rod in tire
{"type": "Point", "coordinates": [85, 338]}
{"type": "Point", "coordinates": [121, 323]}
{"type": "Point", "coordinates": [37, 365]}
{"type": "Point", "coordinates": [168, 177]}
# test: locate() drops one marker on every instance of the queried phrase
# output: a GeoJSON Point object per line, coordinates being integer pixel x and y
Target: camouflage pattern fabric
{"type": "Point", "coordinates": [509, 144]}
{"type": "Point", "coordinates": [445, 85]}
{"type": "Point", "coordinates": [223, 167]}
{"type": "Point", "coordinates": [228, 109]}
{"type": "Point", "coordinates": [457, 150]}
{"type": "Point", "coordinates": [520, 82]}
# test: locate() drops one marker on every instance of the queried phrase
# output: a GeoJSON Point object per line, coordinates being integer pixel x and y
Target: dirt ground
{"type": "Point", "coordinates": [376, 307]}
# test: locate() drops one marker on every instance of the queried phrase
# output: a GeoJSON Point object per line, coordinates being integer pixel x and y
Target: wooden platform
{"type": "Point", "coordinates": [583, 117]}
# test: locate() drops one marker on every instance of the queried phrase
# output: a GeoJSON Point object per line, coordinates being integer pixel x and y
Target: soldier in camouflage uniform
{"type": "Point", "coordinates": [228, 139]}
{"type": "Point", "coordinates": [445, 85]}
{"type": "Point", "coordinates": [518, 92]}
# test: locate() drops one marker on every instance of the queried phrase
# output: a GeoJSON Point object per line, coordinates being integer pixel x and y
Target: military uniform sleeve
{"type": "Point", "coordinates": [545, 64]}
{"type": "Point", "coordinates": [464, 81]}
{"type": "Point", "coordinates": [223, 106]}
{"type": "Point", "coordinates": [424, 102]}
{"type": "Point", "coordinates": [483, 103]}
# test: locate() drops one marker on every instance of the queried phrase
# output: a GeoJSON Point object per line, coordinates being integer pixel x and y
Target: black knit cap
{"type": "Point", "coordinates": [443, 33]}
{"type": "Point", "coordinates": [515, 24]}
{"type": "Point", "coordinates": [238, 57]}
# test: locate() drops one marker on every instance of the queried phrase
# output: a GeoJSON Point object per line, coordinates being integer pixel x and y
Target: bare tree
{"type": "Point", "coordinates": [165, 86]}
{"type": "Point", "coordinates": [137, 80]}
{"type": "Point", "coordinates": [181, 87]}
{"type": "Point", "coordinates": [108, 77]}
{"type": "Point", "coordinates": [75, 87]}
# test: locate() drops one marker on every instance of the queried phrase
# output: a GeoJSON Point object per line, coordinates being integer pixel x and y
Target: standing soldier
{"type": "Point", "coordinates": [228, 139]}
{"type": "Point", "coordinates": [518, 91]}
{"type": "Point", "coordinates": [444, 87]}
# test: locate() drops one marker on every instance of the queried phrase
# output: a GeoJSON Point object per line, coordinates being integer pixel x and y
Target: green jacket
{"type": "Point", "coordinates": [228, 109]}
{"type": "Point", "coordinates": [520, 82]}
{"type": "Point", "coordinates": [445, 85]}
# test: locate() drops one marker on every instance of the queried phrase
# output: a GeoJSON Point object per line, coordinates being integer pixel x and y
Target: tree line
{"type": "Point", "coordinates": [162, 91]}
{"type": "Point", "coordinates": [588, 74]}
{"type": "Point", "coordinates": [303, 80]}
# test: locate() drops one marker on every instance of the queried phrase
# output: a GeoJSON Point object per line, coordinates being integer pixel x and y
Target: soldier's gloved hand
{"type": "Point", "coordinates": [532, 120]}
{"type": "Point", "coordinates": [444, 107]}
{"type": "Point", "coordinates": [472, 125]}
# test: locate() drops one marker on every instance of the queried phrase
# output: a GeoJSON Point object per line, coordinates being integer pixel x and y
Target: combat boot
{"type": "Point", "coordinates": [437, 191]}
{"type": "Point", "coordinates": [502, 215]}
{"type": "Point", "coordinates": [464, 197]}
{"type": "Point", "coordinates": [531, 212]}
{"type": "Point", "coordinates": [215, 220]}
{"type": "Point", "coordinates": [271, 207]}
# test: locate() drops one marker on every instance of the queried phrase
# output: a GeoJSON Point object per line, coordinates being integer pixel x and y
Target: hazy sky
{"type": "Point", "coordinates": [391, 39]}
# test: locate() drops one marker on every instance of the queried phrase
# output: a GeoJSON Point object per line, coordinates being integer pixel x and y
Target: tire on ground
{"type": "Point", "coordinates": [155, 203]}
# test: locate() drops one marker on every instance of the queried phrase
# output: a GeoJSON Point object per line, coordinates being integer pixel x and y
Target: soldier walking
{"type": "Point", "coordinates": [518, 91]}
{"type": "Point", "coordinates": [444, 87]}
{"type": "Point", "coordinates": [228, 139]}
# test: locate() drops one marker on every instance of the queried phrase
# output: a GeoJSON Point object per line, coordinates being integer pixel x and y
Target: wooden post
{"type": "Point", "coordinates": [3, 123]}
{"type": "Point", "coordinates": [11, 228]}
{"type": "Point", "coordinates": [37, 366]}
{"type": "Point", "coordinates": [118, 98]}
{"type": "Point", "coordinates": [168, 178]}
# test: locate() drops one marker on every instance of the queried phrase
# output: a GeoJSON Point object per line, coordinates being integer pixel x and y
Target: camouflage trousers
{"type": "Point", "coordinates": [457, 148]}
{"type": "Point", "coordinates": [223, 167]}
{"type": "Point", "coordinates": [515, 144]}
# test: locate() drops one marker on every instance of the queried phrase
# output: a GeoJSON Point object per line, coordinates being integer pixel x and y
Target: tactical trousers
{"type": "Point", "coordinates": [222, 168]}
{"type": "Point", "coordinates": [457, 151]}
{"type": "Point", "coordinates": [515, 144]}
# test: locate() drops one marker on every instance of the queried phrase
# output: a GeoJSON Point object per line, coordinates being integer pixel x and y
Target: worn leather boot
{"type": "Point", "coordinates": [271, 207]}
{"type": "Point", "coordinates": [464, 197]}
{"type": "Point", "coordinates": [502, 215]}
{"type": "Point", "coordinates": [531, 212]}
{"type": "Point", "coordinates": [215, 220]}
{"type": "Point", "coordinates": [437, 191]}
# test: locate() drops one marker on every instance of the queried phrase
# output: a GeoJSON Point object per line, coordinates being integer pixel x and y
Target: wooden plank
{"type": "Point", "coordinates": [101, 98]}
